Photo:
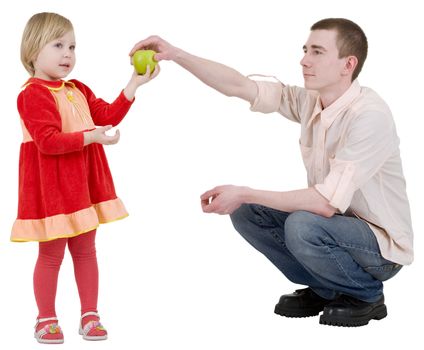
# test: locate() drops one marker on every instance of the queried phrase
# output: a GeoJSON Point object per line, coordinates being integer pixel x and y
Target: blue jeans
{"type": "Point", "coordinates": [333, 256]}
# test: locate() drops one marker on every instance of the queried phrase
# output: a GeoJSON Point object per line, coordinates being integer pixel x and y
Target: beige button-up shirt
{"type": "Point", "coordinates": [351, 153]}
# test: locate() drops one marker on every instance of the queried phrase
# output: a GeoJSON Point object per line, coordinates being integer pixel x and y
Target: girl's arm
{"type": "Point", "coordinates": [41, 118]}
{"type": "Point", "coordinates": [102, 112]}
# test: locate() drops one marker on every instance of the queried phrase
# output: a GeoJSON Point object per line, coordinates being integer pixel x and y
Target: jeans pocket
{"type": "Point", "coordinates": [383, 272]}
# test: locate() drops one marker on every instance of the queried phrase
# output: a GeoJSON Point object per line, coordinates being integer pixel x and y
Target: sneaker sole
{"type": "Point", "coordinates": [378, 313]}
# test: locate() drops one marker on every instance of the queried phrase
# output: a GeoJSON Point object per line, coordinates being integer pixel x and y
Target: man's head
{"type": "Point", "coordinates": [334, 54]}
{"type": "Point", "coordinates": [350, 39]}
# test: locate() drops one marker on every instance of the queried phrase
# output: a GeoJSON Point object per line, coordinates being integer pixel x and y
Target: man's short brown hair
{"type": "Point", "coordinates": [351, 39]}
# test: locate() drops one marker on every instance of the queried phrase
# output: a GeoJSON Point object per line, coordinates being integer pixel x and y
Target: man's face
{"type": "Point", "coordinates": [323, 70]}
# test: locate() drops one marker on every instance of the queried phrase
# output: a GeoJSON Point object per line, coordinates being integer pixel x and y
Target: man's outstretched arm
{"type": "Point", "coordinates": [222, 78]}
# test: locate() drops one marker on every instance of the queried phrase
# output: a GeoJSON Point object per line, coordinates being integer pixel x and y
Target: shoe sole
{"type": "Point", "coordinates": [49, 341]}
{"type": "Point", "coordinates": [378, 313]}
{"type": "Point", "coordinates": [297, 313]}
{"type": "Point", "coordinates": [94, 338]}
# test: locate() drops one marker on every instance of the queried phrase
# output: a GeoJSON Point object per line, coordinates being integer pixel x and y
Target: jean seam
{"type": "Point", "coordinates": [345, 245]}
{"type": "Point", "coordinates": [333, 256]}
{"type": "Point", "coordinates": [276, 237]}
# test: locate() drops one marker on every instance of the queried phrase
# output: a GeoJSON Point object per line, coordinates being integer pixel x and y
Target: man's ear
{"type": "Point", "coordinates": [350, 65]}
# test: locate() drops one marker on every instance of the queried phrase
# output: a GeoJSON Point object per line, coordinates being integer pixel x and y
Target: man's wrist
{"type": "Point", "coordinates": [180, 56]}
{"type": "Point", "coordinates": [247, 195]}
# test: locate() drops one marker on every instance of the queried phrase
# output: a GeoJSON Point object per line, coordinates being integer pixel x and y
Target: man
{"type": "Point", "coordinates": [350, 229]}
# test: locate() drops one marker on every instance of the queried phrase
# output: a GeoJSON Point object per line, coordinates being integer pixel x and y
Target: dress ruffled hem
{"type": "Point", "coordinates": [68, 225]}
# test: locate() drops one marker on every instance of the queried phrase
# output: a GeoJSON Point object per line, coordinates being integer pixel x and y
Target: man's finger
{"type": "Point", "coordinates": [208, 194]}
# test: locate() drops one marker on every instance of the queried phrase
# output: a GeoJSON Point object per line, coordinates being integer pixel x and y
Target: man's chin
{"type": "Point", "coordinates": [309, 86]}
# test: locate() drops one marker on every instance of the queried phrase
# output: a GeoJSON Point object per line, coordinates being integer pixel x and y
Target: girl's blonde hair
{"type": "Point", "coordinates": [41, 29]}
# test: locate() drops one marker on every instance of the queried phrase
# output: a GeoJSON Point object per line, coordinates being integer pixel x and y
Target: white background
{"type": "Point", "coordinates": [171, 276]}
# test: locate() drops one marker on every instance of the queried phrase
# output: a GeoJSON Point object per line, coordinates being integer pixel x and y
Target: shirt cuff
{"type": "Point", "coordinates": [62, 143]}
{"type": "Point", "coordinates": [124, 100]}
{"type": "Point", "coordinates": [268, 99]}
{"type": "Point", "coordinates": [338, 186]}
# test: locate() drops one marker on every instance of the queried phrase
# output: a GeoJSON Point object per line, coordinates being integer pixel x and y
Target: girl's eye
{"type": "Point", "coordinates": [58, 45]}
{"type": "Point", "coordinates": [72, 47]}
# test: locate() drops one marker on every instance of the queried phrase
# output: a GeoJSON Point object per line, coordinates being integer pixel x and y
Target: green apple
{"type": "Point", "coordinates": [143, 58]}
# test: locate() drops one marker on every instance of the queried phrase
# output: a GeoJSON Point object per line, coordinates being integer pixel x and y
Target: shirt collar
{"type": "Point", "coordinates": [55, 85]}
{"type": "Point", "coordinates": [330, 114]}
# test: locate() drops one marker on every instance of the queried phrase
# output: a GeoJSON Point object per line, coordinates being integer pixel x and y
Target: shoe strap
{"type": "Point", "coordinates": [39, 320]}
{"type": "Point", "coordinates": [90, 313]}
{"type": "Point", "coordinates": [91, 325]}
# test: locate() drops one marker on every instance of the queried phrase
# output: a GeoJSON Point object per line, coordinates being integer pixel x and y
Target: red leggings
{"type": "Point", "coordinates": [83, 252]}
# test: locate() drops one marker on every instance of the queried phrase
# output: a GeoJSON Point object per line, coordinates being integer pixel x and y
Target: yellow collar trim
{"type": "Point", "coordinates": [69, 83]}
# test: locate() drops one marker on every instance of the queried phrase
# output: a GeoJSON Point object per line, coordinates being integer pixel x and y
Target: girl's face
{"type": "Point", "coordinates": [56, 59]}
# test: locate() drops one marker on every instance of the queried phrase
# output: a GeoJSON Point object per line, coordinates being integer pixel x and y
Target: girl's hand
{"type": "Point", "coordinates": [139, 79]}
{"type": "Point", "coordinates": [98, 135]}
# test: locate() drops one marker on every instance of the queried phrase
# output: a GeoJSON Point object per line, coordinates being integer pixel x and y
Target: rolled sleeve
{"type": "Point", "coordinates": [370, 142]}
{"type": "Point", "coordinates": [268, 99]}
{"type": "Point", "coordinates": [338, 187]}
{"type": "Point", "coordinates": [291, 102]}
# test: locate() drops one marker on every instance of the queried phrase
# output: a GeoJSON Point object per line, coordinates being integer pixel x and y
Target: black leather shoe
{"type": "Point", "coordinates": [346, 311]}
{"type": "Point", "coordinates": [301, 303]}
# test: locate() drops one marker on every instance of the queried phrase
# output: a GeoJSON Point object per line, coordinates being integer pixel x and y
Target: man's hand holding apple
{"type": "Point", "coordinates": [164, 50]}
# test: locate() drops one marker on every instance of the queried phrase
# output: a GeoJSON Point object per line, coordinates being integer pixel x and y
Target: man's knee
{"type": "Point", "coordinates": [302, 232]}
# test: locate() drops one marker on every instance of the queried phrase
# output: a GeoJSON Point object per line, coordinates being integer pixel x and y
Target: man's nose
{"type": "Point", "coordinates": [304, 62]}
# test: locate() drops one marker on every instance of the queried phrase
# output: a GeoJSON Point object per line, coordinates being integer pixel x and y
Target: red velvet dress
{"type": "Point", "coordinates": [65, 188]}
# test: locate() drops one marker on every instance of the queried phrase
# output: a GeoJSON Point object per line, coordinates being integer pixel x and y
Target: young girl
{"type": "Point", "coordinates": [65, 185]}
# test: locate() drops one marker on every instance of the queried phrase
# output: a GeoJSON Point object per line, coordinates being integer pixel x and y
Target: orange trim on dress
{"type": "Point", "coordinates": [72, 106]}
{"type": "Point", "coordinates": [68, 225]}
